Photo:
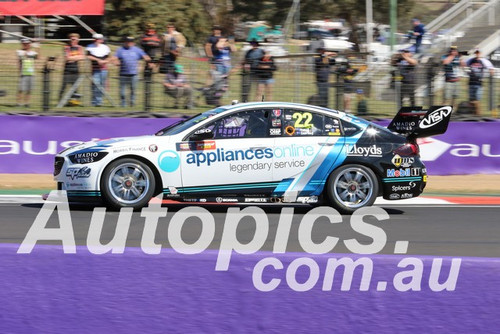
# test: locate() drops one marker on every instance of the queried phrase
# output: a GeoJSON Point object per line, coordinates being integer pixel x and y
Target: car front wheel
{"type": "Point", "coordinates": [351, 187]}
{"type": "Point", "coordinates": [127, 183]}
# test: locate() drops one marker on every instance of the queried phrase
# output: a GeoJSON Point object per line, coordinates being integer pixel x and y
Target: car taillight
{"type": "Point", "coordinates": [407, 150]}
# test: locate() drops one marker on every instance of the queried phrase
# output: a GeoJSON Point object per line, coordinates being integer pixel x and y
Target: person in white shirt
{"type": "Point", "coordinates": [100, 55]}
{"type": "Point", "coordinates": [27, 57]}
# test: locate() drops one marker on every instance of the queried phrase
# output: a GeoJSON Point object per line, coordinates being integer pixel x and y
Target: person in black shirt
{"type": "Point", "coordinates": [477, 68]}
{"type": "Point", "coordinates": [211, 44]}
{"type": "Point", "coordinates": [265, 71]}
{"type": "Point", "coordinates": [406, 65]}
{"type": "Point", "coordinates": [151, 41]}
{"type": "Point", "coordinates": [322, 64]}
{"type": "Point", "coordinates": [73, 53]}
{"type": "Point", "coordinates": [250, 68]}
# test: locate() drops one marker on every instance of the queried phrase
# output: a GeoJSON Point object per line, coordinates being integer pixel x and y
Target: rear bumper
{"type": "Point", "coordinates": [404, 183]}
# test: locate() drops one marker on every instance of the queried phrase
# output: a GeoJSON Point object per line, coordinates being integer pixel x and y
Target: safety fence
{"type": "Point", "coordinates": [373, 89]}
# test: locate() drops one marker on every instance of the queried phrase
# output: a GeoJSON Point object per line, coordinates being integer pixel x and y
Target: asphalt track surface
{"type": "Point", "coordinates": [441, 230]}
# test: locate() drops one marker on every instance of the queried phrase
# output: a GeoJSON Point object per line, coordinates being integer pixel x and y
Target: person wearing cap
{"type": "Point", "coordinates": [151, 41]}
{"type": "Point", "coordinates": [406, 65]}
{"type": "Point", "coordinates": [128, 57]}
{"type": "Point", "coordinates": [172, 44]}
{"type": "Point", "coordinates": [100, 55]}
{"type": "Point", "coordinates": [176, 85]}
{"type": "Point", "coordinates": [451, 63]}
{"type": "Point", "coordinates": [323, 62]}
{"type": "Point", "coordinates": [250, 68]}
{"type": "Point", "coordinates": [477, 68]}
{"type": "Point", "coordinates": [211, 44]}
{"type": "Point", "coordinates": [73, 53]}
{"type": "Point", "coordinates": [418, 33]}
{"type": "Point", "coordinates": [27, 57]}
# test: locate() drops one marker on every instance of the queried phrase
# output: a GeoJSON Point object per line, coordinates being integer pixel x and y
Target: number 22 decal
{"type": "Point", "coordinates": [303, 120]}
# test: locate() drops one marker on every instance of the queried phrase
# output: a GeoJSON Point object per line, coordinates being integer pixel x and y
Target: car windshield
{"type": "Point", "coordinates": [187, 123]}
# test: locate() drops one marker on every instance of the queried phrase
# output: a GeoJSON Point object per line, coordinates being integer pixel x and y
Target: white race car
{"type": "Point", "coordinates": [256, 153]}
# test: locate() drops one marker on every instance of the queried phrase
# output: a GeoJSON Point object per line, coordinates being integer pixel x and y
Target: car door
{"type": "Point", "coordinates": [305, 153]}
{"type": "Point", "coordinates": [237, 160]}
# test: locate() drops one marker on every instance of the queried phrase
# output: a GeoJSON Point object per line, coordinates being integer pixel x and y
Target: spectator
{"type": "Point", "coordinates": [348, 73]}
{"type": "Point", "coordinates": [222, 59]}
{"type": "Point", "coordinates": [27, 57]}
{"type": "Point", "coordinates": [211, 49]}
{"type": "Point", "coordinates": [176, 86]}
{"type": "Point", "coordinates": [172, 44]}
{"type": "Point", "coordinates": [250, 67]}
{"type": "Point", "coordinates": [451, 63]}
{"type": "Point", "coordinates": [406, 65]}
{"type": "Point", "coordinates": [477, 66]}
{"type": "Point", "coordinates": [150, 41]}
{"type": "Point", "coordinates": [418, 33]}
{"type": "Point", "coordinates": [73, 53]}
{"type": "Point", "coordinates": [362, 108]}
{"type": "Point", "coordinates": [322, 65]}
{"type": "Point", "coordinates": [99, 54]}
{"type": "Point", "coordinates": [217, 85]}
{"type": "Point", "coordinates": [265, 68]}
{"type": "Point", "coordinates": [128, 57]}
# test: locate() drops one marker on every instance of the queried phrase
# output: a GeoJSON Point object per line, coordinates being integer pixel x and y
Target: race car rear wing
{"type": "Point", "coordinates": [414, 122]}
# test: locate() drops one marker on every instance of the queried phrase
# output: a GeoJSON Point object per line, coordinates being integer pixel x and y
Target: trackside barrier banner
{"type": "Point", "coordinates": [52, 7]}
{"type": "Point", "coordinates": [28, 143]}
{"type": "Point", "coordinates": [51, 292]}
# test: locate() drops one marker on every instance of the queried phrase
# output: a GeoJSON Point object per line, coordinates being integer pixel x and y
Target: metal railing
{"type": "Point", "coordinates": [381, 92]}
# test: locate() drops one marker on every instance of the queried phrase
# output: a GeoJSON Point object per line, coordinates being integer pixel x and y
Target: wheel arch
{"type": "Point", "coordinates": [158, 179]}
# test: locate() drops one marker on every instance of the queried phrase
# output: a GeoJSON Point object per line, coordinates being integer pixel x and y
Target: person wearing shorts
{"type": "Point", "coordinates": [477, 68]}
{"type": "Point", "coordinates": [27, 58]}
{"type": "Point", "coordinates": [451, 64]}
{"type": "Point", "coordinates": [265, 81]}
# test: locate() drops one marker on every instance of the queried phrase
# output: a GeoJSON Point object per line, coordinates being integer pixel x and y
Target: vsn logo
{"type": "Point", "coordinates": [435, 117]}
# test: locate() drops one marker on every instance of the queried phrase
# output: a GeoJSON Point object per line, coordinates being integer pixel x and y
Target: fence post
{"type": "Point", "coordinates": [48, 67]}
{"type": "Point", "coordinates": [245, 85]}
{"type": "Point", "coordinates": [148, 73]}
{"type": "Point", "coordinates": [397, 88]}
{"type": "Point", "coordinates": [491, 96]}
{"type": "Point", "coordinates": [337, 91]}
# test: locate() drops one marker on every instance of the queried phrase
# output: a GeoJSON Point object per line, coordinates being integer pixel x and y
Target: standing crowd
{"type": "Point", "coordinates": [161, 52]}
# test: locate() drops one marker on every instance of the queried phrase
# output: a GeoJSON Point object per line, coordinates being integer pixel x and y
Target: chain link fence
{"type": "Point", "coordinates": [374, 90]}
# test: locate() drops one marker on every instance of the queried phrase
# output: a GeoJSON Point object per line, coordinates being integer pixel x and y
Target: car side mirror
{"type": "Point", "coordinates": [202, 134]}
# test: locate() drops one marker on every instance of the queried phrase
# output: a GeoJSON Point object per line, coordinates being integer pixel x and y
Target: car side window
{"type": "Point", "coordinates": [350, 129]}
{"type": "Point", "coordinates": [298, 123]}
{"type": "Point", "coordinates": [244, 124]}
{"type": "Point", "coordinates": [332, 127]}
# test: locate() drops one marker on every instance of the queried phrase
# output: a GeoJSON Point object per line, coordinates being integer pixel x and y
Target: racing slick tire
{"type": "Point", "coordinates": [351, 187]}
{"type": "Point", "coordinates": [127, 183]}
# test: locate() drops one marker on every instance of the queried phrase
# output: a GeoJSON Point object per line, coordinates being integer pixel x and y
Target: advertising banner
{"type": "Point", "coordinates": [53, 7]}
{"type": "Point", "coordinates": [48, 291]}
{"type": "Point", "coordinates": [28, 143]}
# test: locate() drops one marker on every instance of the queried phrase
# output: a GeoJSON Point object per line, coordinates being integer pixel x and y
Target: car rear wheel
{"type": "Point", "coordinates": [351, 187]}
{"type": "Point", "coordinates": [127, 183]}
